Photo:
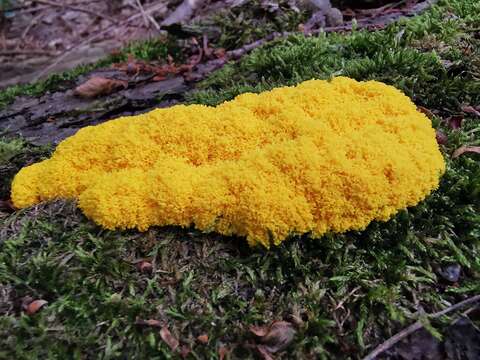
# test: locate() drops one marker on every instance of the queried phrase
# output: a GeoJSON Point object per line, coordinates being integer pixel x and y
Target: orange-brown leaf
{"type": "Point", "coordinates": [222, 352]}
{"type": "Point", "coordinates": [35, 306]}
{"type": "Point", "coordinates": [203, 338]}
{"type": "Point", "coordinates": [98, 86]}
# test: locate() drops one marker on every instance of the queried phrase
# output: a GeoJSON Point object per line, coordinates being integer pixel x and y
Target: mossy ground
{"type": "Point", "coordinates": [350, 291]}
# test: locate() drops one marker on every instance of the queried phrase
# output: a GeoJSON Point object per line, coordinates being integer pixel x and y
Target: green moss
{"type": "Point", "coordinates": [14, 154]}
{"type": "Point", "coordinates": [253, 20]}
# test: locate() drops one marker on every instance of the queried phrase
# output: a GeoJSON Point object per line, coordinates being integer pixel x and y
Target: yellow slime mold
{"type": "Point", "coordinates": [320, 156]}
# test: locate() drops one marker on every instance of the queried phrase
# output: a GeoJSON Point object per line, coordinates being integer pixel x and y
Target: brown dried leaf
{"type": "Point", "coordinates": [275, 337]}
{"type": "Point", "coordinates": [185, 351]}
{"type": "Point", "coordinates": [203, 338]}
{"type": "Point", "coordinates": [148, 322]}
{"type": "Point", "coordinates": [222, 352]}
{"type": "Point", "coordinates": [145, 266]}
{"type": "Point", "coordinates": [259, 331]}
{"type": "Point", "coordinates": [35, 306]}
{"type": "Point", "coordinates": [470, 110]}
{"type": "Point", "coordinates": [455, 121]}
{"type": "Point", "coordinates": [266, 355]}
{"type": "Point", "coordinates": [465, 149]}
{"type": "Point", "coordinates": [442, 139]}
{"type": "Point", "coordinates": [98, 86]}
{"type": "Point", "coordinates": [426, 111]}
{"type": "Point", "coordinates": [168, 338]}
{"type": "Point", "coordinates": [220, 53]}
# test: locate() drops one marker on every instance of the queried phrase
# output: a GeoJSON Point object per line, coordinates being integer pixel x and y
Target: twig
{"type": "Point", "coordinates": [32, 23]}
{"type": "Point", "coordinates": [26, 52]}
{"type": "Point", "coordinates": [184, 11]}
{"type": "Point", "coordinates": [142, 10]}
{"type": "Point", "coordinates": [340, 304]}
{"type": "Point", "coordinates": [76, 8]}
{"type": "Point", "coordinates": [20, 10]}
{"type": "Point", "coordinates": [96, 36]}
{"type": "Point", "coordinates": [416, 326]}
{"type": "Point", "coordinates": [147, 18]}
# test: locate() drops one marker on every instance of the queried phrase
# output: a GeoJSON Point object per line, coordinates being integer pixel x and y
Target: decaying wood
{"type": "Point", "coordinates": [53, 117]}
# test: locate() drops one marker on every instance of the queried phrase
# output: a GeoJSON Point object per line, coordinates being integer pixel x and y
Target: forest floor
{"type": "Point", "coordinates": [69, 289]}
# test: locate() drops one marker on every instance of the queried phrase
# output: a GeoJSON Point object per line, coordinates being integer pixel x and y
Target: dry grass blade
{"type": "Point", "coordinates": [169, 339]}
{"type": "Point", "coordinates": [465, 149]}
{"type": "Point", "coordinates": [416, 326]}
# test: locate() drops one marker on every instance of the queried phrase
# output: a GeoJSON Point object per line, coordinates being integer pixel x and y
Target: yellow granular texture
{"type": "Point", "coordinates": [317, 157]}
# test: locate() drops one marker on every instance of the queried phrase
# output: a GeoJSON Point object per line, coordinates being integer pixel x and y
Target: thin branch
{"type": "Point", "coordinates": [340, 304]}
{"type": "Point", "coordinates": [146, 17]}
{"type": "Point", "coordinates": [142, 10]}
{"type": "Point", "coordinates": [183, 12]}
{"type": "Point", "coordinates": [32, 23]}
{"type": "Point", "coordinates": [417, 326]}
{"type": "Point", "coordinates": [26, 52]}
{"type": "Point", "coordinates": [24, 10]}
{"type": "Point", "coordinates": [76, 8]}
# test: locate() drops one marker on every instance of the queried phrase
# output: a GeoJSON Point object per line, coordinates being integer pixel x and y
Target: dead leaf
{"type": "Point", "coordinates": [148, 322]}
{"type": "Point", "coordinates": [98, 86]}
{"type": "Point", "coordinates": [168, 338]}
{"type": "Point", "coordinates": [465, 149]}
{"type": "Point", "coordinates": [442, 139]}
{"type": "Point", "coordinates": [145, 266]}
{"type": "Point", "coordinates": [275, 337]}
{"type": "Point", "coordinates": [266, 355]}
{"type": "Point", "coordinates": [426, 111]}
{"type": "Point", "coordinates": [220, 53]}
{"type": "Point", "coordinates": [470, 110]}
{"type": "Point", "coordinates": [259, 331]}
{"type": "Point", "coordinates": [34, 306]}
{"type": "Point", "coordinates": [222, 352]}
{"type": "Point", "coordinates": [203, 338]}
{"type": "Point", "coordinates": [185, 351]}
{"type": "Point", "coordinates": [455, 121]}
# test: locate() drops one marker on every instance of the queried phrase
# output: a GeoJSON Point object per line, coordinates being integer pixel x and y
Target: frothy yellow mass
{"type": "Point", "coordinates": [317, 157]}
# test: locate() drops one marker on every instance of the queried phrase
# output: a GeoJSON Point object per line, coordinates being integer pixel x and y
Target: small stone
{"type": "Point", "coordinates": [451, 272]}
